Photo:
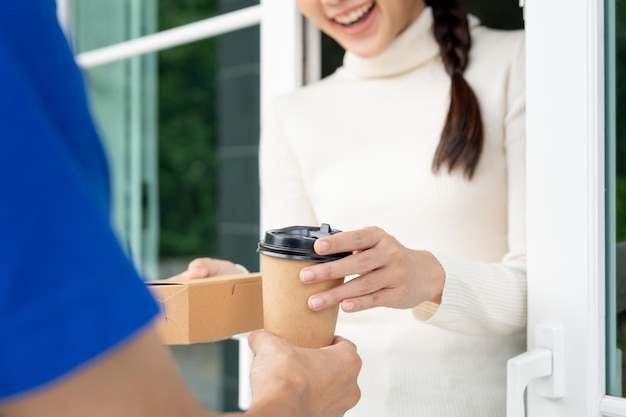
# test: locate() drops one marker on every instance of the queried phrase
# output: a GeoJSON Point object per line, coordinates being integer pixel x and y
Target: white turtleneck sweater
{"type": "Point", "coordinates": [355, 150]}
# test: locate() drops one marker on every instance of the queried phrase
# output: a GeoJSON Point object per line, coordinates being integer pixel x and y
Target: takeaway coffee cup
{"type": "Point", "coordinates": [284, 252]}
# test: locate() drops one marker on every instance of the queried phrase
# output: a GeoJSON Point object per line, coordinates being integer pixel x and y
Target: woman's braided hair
{"type": "Point", "coordinates": [462, 136]}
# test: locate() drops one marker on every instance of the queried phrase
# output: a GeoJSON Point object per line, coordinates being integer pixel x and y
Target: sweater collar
{"type": "Point", "coordinates": [412, 48]}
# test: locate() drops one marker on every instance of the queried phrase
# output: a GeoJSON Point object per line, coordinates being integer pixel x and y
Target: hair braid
{"type": "Point", "coordinates": [462, 136]}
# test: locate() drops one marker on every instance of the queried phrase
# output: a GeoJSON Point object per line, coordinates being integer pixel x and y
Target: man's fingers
{"type": "Point", "coordinates": [340, 340]}
{"type": "Point", "coordinates": [202, 268]}
{"type": "Point", "coordinates": [258, 338]}
{"type": "Point", "coordinates": [210, 267]}
{"type": "Point", "coordinates": [254, 339]}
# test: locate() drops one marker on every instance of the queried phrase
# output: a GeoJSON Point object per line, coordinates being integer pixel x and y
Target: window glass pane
{"type": "Point", "coordinates": [175, 13]}
{"type": "Point", "coordinates": [181, 129]}
{"type": "Point", "coordinates": [616, 196]}
{"type": "Point", "coordinates": [180, 12]}
{"type": "Point", "coordinates": [188, 153]}
{"type": "Point", "coordinates": [208, 150]}
{"type": "Point", "coordinates": [124, 102]}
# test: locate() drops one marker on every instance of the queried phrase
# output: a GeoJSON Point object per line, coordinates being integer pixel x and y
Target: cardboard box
{"type": "Point", "coordinates": [208, 309]}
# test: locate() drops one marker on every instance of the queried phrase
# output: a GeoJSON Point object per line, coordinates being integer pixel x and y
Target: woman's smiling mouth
{"type": "Point", "coordinates": [355, 16]}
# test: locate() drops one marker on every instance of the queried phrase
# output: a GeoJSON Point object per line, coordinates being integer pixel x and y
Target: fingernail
{"type": "Point", "coordinates": [347, 306]}
{"type": "Point", "coordinates": [321, 246]}
{"type": "Point", "coordinates": [315, 303]}
{"type": "Point", "coordinates": [306, 275]}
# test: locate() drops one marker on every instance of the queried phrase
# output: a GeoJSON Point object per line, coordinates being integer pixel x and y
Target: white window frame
{"type": "Point", "coordinates": [566, 205]}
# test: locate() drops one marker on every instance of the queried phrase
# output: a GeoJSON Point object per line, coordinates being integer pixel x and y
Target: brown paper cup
{"type": "Point", "coordinates": [285, 309]}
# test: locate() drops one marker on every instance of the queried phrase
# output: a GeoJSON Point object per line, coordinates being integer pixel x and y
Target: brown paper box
{"type": "Point", "coordinates": [208, 309]}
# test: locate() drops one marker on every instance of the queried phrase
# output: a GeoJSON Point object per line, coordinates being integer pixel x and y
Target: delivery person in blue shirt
{"type": "Point", "coordinates": [76, 333]}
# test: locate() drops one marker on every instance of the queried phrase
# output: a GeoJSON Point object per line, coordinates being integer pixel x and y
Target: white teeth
{"type": "Point", "coordinates": [354, 15]}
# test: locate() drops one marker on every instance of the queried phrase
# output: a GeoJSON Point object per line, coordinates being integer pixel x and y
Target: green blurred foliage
{"type": "Point", "coordinates": [187, 136]}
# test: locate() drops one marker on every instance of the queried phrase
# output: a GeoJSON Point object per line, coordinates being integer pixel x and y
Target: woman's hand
{"type": "Point", "coordinates": [389, 274]}
{"type": "Point", "coordinates": [291, 381]}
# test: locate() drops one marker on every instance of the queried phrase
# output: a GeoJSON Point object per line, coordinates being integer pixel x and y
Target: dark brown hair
{"type": "Point", "coordinates": [462, 136]}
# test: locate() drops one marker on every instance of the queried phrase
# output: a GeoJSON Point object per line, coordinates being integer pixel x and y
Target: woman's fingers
{"type": "Point", "coordinates": [355, 240]}
{"type": "Point", "coordinates": [360, 262]}
{"type": "Point", "coordinates": [380, 298]}
{"type": "Point", "coordinates": [365, 291]}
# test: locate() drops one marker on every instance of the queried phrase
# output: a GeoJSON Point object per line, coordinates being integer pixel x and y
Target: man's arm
{"type": "Point", "coordinates": [139, 379]}
{"type": "Point", "coordinates": [136, 379]}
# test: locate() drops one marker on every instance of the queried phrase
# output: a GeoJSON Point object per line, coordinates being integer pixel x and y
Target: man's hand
{"type": "Point", "coordinates": [209, 267]}
{"type": "Point", "coordinates": [296, 382]}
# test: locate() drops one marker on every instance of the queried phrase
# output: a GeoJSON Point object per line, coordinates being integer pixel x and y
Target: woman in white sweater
{"type": "Point", "coordinates": [421, 134]}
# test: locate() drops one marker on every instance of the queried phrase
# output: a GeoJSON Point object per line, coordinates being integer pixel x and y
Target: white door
{"type": "Point", "coordinates": [572, 220]}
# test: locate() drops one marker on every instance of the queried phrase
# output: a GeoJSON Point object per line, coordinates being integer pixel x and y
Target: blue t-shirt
{"type": "Point", "coordinates": [67, 290]}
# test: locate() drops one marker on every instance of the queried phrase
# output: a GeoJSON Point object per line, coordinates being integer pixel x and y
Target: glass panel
{"type": "Point", "coordinates": [208, 140]}
{"type": "Point", "coordinates": [181, 129]}
{"type": "Point", "coordinates": [497, 14]}
{"type": "Point", "coordinates": [124, 103]}
{"type": "Point", "coordinates": [187, 154]}
{"type": "Point", "coordinates": [181, 12]}
{"type": "Point", "coordinates": [616, 196]}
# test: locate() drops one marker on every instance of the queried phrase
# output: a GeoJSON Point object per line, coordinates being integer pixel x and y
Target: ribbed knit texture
{"type": "Point", "coordinates": [356, 150]}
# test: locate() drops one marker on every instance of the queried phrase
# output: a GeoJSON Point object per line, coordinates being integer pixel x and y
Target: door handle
{"type": "Point", "coordinates": [545, 361]}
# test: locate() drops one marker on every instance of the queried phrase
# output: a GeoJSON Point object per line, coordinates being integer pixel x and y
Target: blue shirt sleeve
{"type": "Point", "coordinates": [68, 292]}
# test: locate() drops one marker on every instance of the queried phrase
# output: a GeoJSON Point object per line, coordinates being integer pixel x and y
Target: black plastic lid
{"type": "Point", "coordinates": [296, 242]}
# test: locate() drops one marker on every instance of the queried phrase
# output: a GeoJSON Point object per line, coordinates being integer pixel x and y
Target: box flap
{"type": "Point", "coordinates": [163, 291]}
{"type": "Point", "coordinates": [202, 281]}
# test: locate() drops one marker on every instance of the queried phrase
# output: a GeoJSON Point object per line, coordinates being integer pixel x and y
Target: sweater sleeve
{"type": "Point", "coordinates": [284, 199]}
{"type": "Point", "coordinates": [482, 298]}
